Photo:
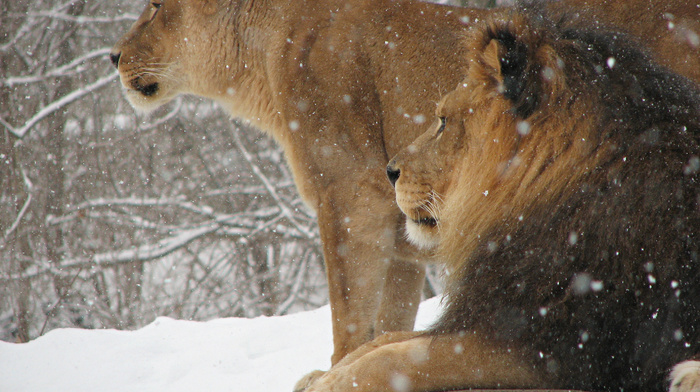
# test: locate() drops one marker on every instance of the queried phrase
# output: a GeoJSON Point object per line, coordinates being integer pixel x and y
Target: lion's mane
{"type": "Point", "coordinates": [586, 249]}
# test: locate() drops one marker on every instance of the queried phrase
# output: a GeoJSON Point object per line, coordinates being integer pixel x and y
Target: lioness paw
{"type": "Point", "coordinates": [685, 377]}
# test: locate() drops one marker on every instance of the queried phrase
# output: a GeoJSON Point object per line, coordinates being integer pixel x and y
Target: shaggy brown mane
{"type": "Point", "coordinates": [586, 250]}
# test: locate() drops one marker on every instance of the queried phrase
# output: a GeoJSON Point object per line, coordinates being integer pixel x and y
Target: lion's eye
{"type": "Point", "coordinates": [442, 126]}
{"type": "Point", "coordinates": [156, 5]}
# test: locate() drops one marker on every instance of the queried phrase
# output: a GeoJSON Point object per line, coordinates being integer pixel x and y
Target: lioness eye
{"type": "Point", "coordinates": [442, 126]}
{"type": "Point", "coordinates": [156, 5]}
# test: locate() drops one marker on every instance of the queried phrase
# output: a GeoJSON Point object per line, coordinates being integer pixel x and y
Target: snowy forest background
{"type": "Point", "coordinates": [109, 219]}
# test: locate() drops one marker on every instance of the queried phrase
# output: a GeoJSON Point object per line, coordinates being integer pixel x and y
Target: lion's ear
{"type": "Point", "coordinates": [515, 68]}
{"type": "Point", "coordinates": [492, 58]}
{"type": "Point", "coordinates": [208, 7]}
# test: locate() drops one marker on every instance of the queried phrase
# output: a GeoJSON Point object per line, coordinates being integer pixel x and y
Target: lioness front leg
{"type": "Point", "coordinates": [359, 238]}
{"type": "Point", "coordinates": [432, 363]}
{"type": "Point", "coordinates": [401, 295]}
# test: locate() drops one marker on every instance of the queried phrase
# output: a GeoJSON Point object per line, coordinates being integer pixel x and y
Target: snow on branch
{"type": "Point", "coordinates": [245, 224]}
{"type": "Point", "coordinates": [56, 105]}
{"type": "Point", "coordinates": [28, 186]}
{"type": "Point", "coordinates": [56, 72]}
{"type": "Point", "coordinates": [296, 286]}
{"type": "Point", "coordinates": [142, 253]}
{"type": "Point", "coordinates": [147, 252]}
{"type": "Point", "coordinates": [286, 211]}
{"type": "Point", "coordinates": [22, 31]}
{"type": "Point", "coordinates": [80, 19]}
{"type": "Point", "coordinates": [177, 202]}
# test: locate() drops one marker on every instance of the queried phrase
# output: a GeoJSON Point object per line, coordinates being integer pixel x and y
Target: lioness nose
{"type": "Point", "coordinates": [115, 59]}
{"type": "Point", "coordinates": [393, 174]}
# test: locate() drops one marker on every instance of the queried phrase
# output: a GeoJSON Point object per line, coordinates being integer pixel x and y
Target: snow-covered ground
{"type": "Point", "coordinates": [265, 354]}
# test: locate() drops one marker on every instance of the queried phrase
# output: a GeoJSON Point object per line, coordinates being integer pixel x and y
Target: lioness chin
{"type": "Point", "coordinates": [342, 86]}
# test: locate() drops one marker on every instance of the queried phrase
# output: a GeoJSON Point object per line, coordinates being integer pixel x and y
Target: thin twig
{"type": "Point", "coordinates": [58, 302]}
{"type": "Point", "coordinates": [28, 185]}
{"type": "Point", "coordinates": [59, 71]}
{"type": "Point", "coordinates": [78, 19]}
{"type": "Point", "coordinates": [286, 211]}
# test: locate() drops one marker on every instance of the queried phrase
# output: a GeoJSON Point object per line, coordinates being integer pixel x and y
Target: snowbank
{"type": "Point", "coordinates": [265, 354]}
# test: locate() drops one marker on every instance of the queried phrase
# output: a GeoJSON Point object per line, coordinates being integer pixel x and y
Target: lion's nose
{"type": "Point", "coordinates": [115, 59]}
{"type": "Point", "coordinates": [393, 174]}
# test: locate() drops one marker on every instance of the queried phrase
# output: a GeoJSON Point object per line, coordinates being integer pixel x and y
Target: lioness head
{"type": "Point", "coordinates": [157, 56]}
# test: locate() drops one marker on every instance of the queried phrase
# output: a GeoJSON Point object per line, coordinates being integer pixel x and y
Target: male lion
{"type": "Point", "coordinates": [342, 85]}
{"type": "Point", "coordinates": [561, 185]}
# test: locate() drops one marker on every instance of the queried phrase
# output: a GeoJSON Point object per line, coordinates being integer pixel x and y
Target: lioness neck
{"type": "Point", "coordinates": [259, 35]}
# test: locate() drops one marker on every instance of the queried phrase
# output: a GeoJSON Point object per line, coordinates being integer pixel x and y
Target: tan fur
{"type": "Point", "coordinates": [332, 82]}
{"type": "Point", "coordinates": [342, 86]}
{"type": "Point", "coordinates": [496, 164]}
{"type": "Point", "coordinates": [424, 363]}
{"type": "Point", "coordinates": [685, 377]}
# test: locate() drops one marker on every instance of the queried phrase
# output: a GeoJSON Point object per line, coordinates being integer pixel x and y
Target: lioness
{"type": "Point", "coordinates": [561, 185]}
{"type": "Point", "coordinates": [342, 85]}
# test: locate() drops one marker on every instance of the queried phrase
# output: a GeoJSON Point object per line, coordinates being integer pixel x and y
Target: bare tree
{"type": "Point", "coordinates": [108, 219]}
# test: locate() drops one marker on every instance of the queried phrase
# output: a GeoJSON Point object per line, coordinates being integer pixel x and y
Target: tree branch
{"type": "Point", "coordinates": [285, 210]}
{"type": "Point", "coordinates": [143, 253]}
{"type": "Point", "coordinates": [60, 71]}
{"type": "Point", "coordinates": [79, 19]}
{"type": "Point", "coordinates": [28, 185]}
{"type": "Point", "coordinates": [56, 105]}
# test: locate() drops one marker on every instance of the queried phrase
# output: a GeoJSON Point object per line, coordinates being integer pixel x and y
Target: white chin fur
{"type": "Point", "coordinates": [685, 377]}
{"type": "Point", "coordinates": [420, 236]}
{"type": "Point", "coordinates": [145, 105]}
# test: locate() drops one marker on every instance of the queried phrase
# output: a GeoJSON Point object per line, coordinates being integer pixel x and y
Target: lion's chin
{"type": "Point", "coordinates": [421, 234]}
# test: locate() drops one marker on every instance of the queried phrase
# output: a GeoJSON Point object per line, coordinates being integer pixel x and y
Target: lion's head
{"type": "Point", "coordinates": [483, 133]}
{"type": "Point", "coordinates": [540, 110]}
{"type": "Point", "coordinates": [166, 49]}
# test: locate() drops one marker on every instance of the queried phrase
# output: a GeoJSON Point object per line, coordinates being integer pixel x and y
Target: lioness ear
{"type": "Point", "coordinates": [516, 68]}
